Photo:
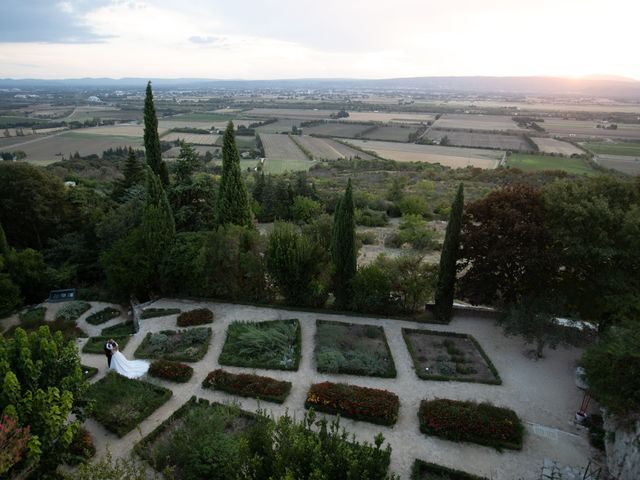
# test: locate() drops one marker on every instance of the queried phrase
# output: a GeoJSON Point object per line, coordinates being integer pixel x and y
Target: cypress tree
{"type": "Point", "coordinates": [447, 272]}
{"type": "Point", "coordinates": [343, 249]}
{"type": "Point", "coordinates": [233, 199]}
{"type": "Point", "coordinates": [4, 245]}
{"type": "Point", "coordinates": [158, 226]}
{"type": "Point", "coordinates": [152, 148]}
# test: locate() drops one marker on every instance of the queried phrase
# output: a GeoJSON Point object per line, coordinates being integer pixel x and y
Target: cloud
{"type": "Point", "coordinates": [47, 21]}
{"type": "Point", "coordinates": [203, 40]}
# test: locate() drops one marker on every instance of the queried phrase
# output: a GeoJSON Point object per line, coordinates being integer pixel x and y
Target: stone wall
{"type": "Point", "coordinates": [623, 449]}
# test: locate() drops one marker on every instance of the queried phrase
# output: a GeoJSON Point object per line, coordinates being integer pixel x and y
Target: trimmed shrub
{"type": "Point", "coordinates": [248, 385]}
{"type": "Point", "coordinates": [32, 318]}
{"type": "Point", "coordinates": [96, 344]}
{"type": "Point", "coordinates": [183, 346]}
{"type": "Point", "coordinates": [360, 403]}
{"type": "Point", "coordinates": [72, 311]}
{"type": "Point", "coordinates": [88, 372]}
{"type": "Point", "coordinates": [82, 447]}
{"type": "Point", "coordinates": [467, 421]}
{"type": "Point", "coordinates": [158, 312]}
{"type": "Point", "coordinates": [427, 471]}
{"type": "Point", "coordinates": [103, 316]}
{"type": "Point", "coordinates": [199, 316]}
{"type": "Point", "coordinates": [119, 329]}
{"type": "Point", "coordinates": [173, 371]}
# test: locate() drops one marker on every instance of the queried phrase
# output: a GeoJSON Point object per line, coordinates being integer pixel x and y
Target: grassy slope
{"type": "Point", "coordinates": [538, 163]}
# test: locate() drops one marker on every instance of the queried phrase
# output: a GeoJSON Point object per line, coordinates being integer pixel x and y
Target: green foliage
{"type": "Point", "coordinates": [448, 260]}
{"type": "Point", "coordinates": [103, 315]}
{"type": "Point", "coordinates": [153, 152]}
{"type": "Point", "coordinates": [298, 266]}
{"type": "Point", "coordinates": [413, 205]}
{"type": "Point", "coordinates": [182, 346]}
{"type": "Point", "coordinates": [372, 289]}
{"type": "Point", "coordinates": [248, 385]}
{"type": "Point", "coordinates": [431, 471]}
{"type": "Point", "coordinates": [180, 270]}
{"type": "Point", "coordinates": [42, 384]}
{"type": "Point", "coordinates": [412, 281]}
{"type": "Point", "coordinates": [96, 344]}
{"type": "Point", "coordinates": [32, 318]}
{"type": "Point", "coordinates": [233, 200]}
{"type": "Point", "coordinates": [133, 175]}
{"type": "Point", "coordinates": [158, 312]}
{"type": "Point", "coordinates": [72, 311]}
{"type": "Point", "coordinates": [274, 344]}
{"type": "Point", "coordinates": [124, 328]}
{"type": "Point", "coordinates": [344, 253]}
{"type": "Point", "coordinates": [9, 291]}
{"type": "Point", "coordinates": [122, 403]}
{"type": "Point", "coordinates": [29, 272]}
{"type": "Point", "coordinates": [305, 209]}
{"type": "Point", "coordinates": [126, 266]}
{"type": "Point", "coordinates": [108, 469]}
{"type": "Point", "coordinates": [371, 218]}
{"type": "Point", "coordinates": [612, 369]}
{"type": "Point", "coordinates": [413, 230]}
{"type": "Point", "coordinates": [198, 316]}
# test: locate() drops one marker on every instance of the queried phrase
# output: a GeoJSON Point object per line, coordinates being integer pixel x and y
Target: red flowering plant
{"type": "Point", "coordinates": [14, 441]}
{"type": "Point", "coordinates": [82, 447]}
{"type": "Point", "coordinates": [360, 403]}
{"type": "Point", "coordinates": [173, 371]}
{"type": "Point", "coordinates": [199, 316]}
{"type": "Point", "coordinates": [248, 385]}
{"type": "Point", "coordinates": [480, 423]}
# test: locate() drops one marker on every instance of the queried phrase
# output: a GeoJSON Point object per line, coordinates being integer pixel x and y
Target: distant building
{"type": "Point", "coordinates": [69, 184]}
{"type": "Point", "coordinates": [94, 99]}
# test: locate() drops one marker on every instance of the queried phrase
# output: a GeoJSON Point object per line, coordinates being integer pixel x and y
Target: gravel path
{"type": "Point", "coordinates": [542, 393]}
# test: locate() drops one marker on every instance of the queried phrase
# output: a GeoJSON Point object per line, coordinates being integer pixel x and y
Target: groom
{"type": "Point", "coordinates": [109, 347]}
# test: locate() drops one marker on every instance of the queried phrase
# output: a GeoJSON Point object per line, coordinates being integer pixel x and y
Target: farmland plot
{"type": "Point", "coordinates": [588, 128]}
{"type": "Point", "coordinates": [136, 131]}
{"type": "Point", "coordinates": [390, 133]}
{"type": "Point", "coordinates": [390, 117]}
{"type": "Point", "coordinates": [337, 129]}
{"type": "Point", "coordinates": [538, 163]}
{"type": "Point", "coordinates": [348, 152]}
{"type": "Point", "coordinates": [614, 148]}
{"type": "Point", "coordinates": [319, 148]}
{"type": "Point", "coordinates": [283, 154]}
{"type": "Point", "coordinates": [448, 156]}
{"type": "Point", "coordinates": [480, 140]}
{"type": "Point", "coordinates": [192, 138]}
{"type": "Point", "coordinates": [551, 145]}
{"type": "Point", "coordinates": [282, 125]}
{"type": "Point", "coordinates": [622, 163]}
{"type": "Point", "coordinates": [476, 122]}
{"type": "Point", "coordinates": [296, 113]}
{"type": "Point", "coordinates": [174, 152]}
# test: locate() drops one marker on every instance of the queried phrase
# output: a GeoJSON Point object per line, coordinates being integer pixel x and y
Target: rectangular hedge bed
{"type": "Point", "coordinates": [449, 356]}
{"type": "Point", "coordinates": [121, 403]}
{"type": "Point", "coordinates": [96, 344]}
{"type": "Point", "coordinates": [248, 385]}
{"type": "Point", "coordinates": [172, 371]}
{"type": "Point", "coordinates": [158, 312]}
{"type": "Point", "coordinates": [354, 349]}
{"type": "Point", "coordinates": [480, 423]}
{"type": "Point", "coordinates": [430, 471]}
{"type": "Point", "coordinates": [103, 316]}
{"type": "Point", "coordinates": [273, 344]}
{"type": "Point", "coordinates": [182, 346]}
{"type": "Point", "coordinates": [119, 329]}
{"type": "Point", "coordinates": [359, 403]}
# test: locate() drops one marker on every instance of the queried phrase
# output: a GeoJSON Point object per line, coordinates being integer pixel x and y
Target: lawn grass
{"type": "Point", "coordinates": [182, 346]}
{"type": "Point", "coordinates": [353, 349]}
{"type": "Point", "coordinates": [273, 344]}
{"type": "Point", "coordinates": [103, 315]}
{"type": "Point", "coordinates": [539, 163]}
{"type": "Point", "coordinates": [631, 149]}
{"type": "Point", "coordinates": [121, 404]}
{"type": "Point", "coordinates": [96, 344]}
{"type": "Point", "coordinates": [279, 165]}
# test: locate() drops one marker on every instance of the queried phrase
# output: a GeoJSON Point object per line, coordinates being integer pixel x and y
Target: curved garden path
{"type": "Point", "coordinates": [543, 393]}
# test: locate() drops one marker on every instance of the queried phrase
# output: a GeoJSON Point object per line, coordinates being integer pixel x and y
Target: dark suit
{"type": "Point", "coordinates": [109, 353]}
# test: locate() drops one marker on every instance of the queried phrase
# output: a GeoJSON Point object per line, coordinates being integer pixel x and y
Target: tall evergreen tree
{"type": "Point", "coordinates": [233, 199]}
{"type": "Point", "coordinates": [448, 258]}
{"type": "Point", "coordinates": [343, 249]}
{"type": "Point", "coordinates": [133, 175]}
{"type": "Point", "coordinates": [4, 245]}
{"type": "Point", "coordinates": [152, 148]}
{"type": "Point", "coordinates": [158, 226]}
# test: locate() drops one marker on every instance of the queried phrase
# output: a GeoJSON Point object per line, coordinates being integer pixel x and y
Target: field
{"type": "Point", "coordinates": [448, 156]}
{"type": "Point", "coordinates": [537, 163]}
{"type": "Point", "coordinates": [172, 122]}
{"type": "Point", "coordinates": [392, 117]}
{"type": "Point", "coordinates": [200, 117]}
{"type": "Point", "coordinates": [630, 165]}
{"type": "Point", "coordinates": [201, 149]}
{"type": "Point", "coordinates": [537, 105]}
{"type": "Point", "coordinates": [282, 125]}
{"type": "Point", "coordinates": [588, 128]}
{"type": "Point", "coordinates": [295, 113]}
{"type": "Point", "coordinates": [192, 138]}
{"type": "Point", "coordinates": [476, 122]}
{"type": "Point", "coordinates": [551, 145]}
{"type": "Point", "coordinates": [337, 129]}
{"type": "Point", "coordinates": [481, 140]}
{"type": "Point", "coordinates": [346, 151]}
{"type": "Point", "coordinates": [283, 154]}
{"type": "Point", "coordinates": [612, 148]}
{"type": "Point", "coordinates": [117, 130]}
{"type": "Point", "coordinates": [105, 112]}
{"type": "Point", "coordinates": [319, 148]}
{"type": "Point", "coordinates": [391, 133]}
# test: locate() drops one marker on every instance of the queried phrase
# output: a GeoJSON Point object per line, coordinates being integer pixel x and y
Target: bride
{"type": "Point", "coordinates": [127, 368]}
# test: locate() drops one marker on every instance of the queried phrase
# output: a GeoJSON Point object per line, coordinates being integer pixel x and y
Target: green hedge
{"type": "Point", "coordinates": [158, 312]}
{"type": "Point", "coordinates": [96, 344]}
{"type": "Point", "coordinates": [103, 316]}
{"type": "Point", "coordinates": [426, 471]}
{"type": "Point", "coordinates": [182, 346]}
{"type": "Point", "coordinates": [248, 385]}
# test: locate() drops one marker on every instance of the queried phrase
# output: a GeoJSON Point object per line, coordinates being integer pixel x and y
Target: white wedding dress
{"type": "Point", "coordinates": [128, 368]}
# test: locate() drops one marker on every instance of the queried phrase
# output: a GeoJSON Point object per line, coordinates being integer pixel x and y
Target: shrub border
{"type": "Point", "coordinates": [175, 358]}
{"type": "Point", "coordinates": [168, 312]}
{"type": "Point", "coordinates": [445, 378]}
{"type": "Point", "coordinates": [208, 321]}
{"type": "Point", "coordinates": [268, 398]}
{"type": "Point", "coordinates": [365, 418]}
{"type": "Point", "coordinates": [96, 314]}
{"type": "Point", "coordinates": [122, 341]}
{"type": "Point", "coordinates": [439, 469]}
{"type": "Point", "coordinates": [252, 364]}
{"type": "Point", "coordinates": [173, 380]}
{"type": "Point", "coordinates": [391, 371]}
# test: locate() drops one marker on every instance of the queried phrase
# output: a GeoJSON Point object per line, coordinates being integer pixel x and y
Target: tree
{"type": "Point", "coordinates": [152, 147]}
{"type": "Point", "coordinates": [42, 385]}
{"type": "Point", "coordinates": [9, 291]}
{"type": "Point", "coordinates": [344, 252]}
{"type": "Point", "coordinates": [233, 200]}
{"type": "Point", "coordinates": [4, 245]}
{"type": "Point", "coordinates": [448, 259]}
{"type": "Point", "coordinates": [305, 210]}
{"type": "Point", "coordinates": [133, 174]}
{"type": "Point", "coordinates": [507, 249]}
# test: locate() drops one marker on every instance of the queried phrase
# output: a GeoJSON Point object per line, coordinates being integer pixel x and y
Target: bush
{"type": "Point", "coordinates": [96, 344]}
{"type": "Point", "coordinates": [199, 316]}
{"type": "Point", "coordinates": [32, 318]}
{"type": "Point", "coordinates": [367, 238]}
{"type": "Point", "coordinates": [72, 311]}
{"type": "Point", "coordinates": [372, 290]}
{"type": "Point", "coordinates": [480, 423]}
{"type": "Point", "coordinates": [413, 205]}
{"type": "Point", "coordinates": [158, 312]}
{"type": "Point", "coordinates": [305, 210]}
{"type": "Point", "coordinates": [103, 316]}
{"type": "Point", "coordinates": [119, 329]}
{"type": "Point", "coordinates": [413, 230]}
{"type": "Point", "coordinates": [428, 471]}
{"type": "Point", "coordinates": [248, 385]}
{"type": "Point", "coordinates": [360, 403]}
{"type": "Point", "coordinates": [173, 371]}
{"type": "Point", "coordinates": [183, 346]}
{"type": "Point", "coordinates": [371, 218]}
{"type": "Point", "coordinates": [82, 447]}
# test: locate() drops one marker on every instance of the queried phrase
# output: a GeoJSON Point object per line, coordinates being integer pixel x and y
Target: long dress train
{"type": "Point", "coordinates": [128, 368]}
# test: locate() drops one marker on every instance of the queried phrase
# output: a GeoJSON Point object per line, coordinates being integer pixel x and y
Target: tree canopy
{"type": "Point", "coordinates": [344, 252]}
{"type": "Point", "coordinates": [153, 151]}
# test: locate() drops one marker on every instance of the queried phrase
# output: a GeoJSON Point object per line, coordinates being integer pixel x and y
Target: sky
{"type": "Point", "coordinates": [272, 39]}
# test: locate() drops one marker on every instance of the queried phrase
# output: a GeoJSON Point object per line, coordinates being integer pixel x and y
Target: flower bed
{"type": "Point", "coordinates": [199, 316]}
{"type": "Point", "coordinates": [103, 316]}
{"type": "Point", "coordinates": [173, 371]}
{"type": "Point", "coordinates": [158, 312]}
{"type": "Point", "coordinates": [88, 372]}
{"type": "Point", "coordinates": [248, 385]}
{"type": "Point", "coordinates": [480, 423]}
{"type": "Point", "coordinates": [96, 344]}
{"type": "Point", "coordinates": [82, 447]}
{"type": "Point", "coordinates": [72, 311]}
{"type": "Point", "coordinates": [182, 346]}
{"type": "Point", "coordinates": [360, 403]}
{"type": "Point", "coordinates": [428, 471]}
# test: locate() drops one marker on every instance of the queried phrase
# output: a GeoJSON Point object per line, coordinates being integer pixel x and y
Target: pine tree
{"type": "Point", "coordinates": [157, 223]}
{"type": "Point", "coordinates": [233, 199]}
{"type": "Point", "coordinates": [343, 249]}
{"type": "Point", "coordinates": [448, 258]}
{"type": "Point", "coordinates": [133, 171]}
{"type": "Point", "coordinates": [152, 148]}
{"type": "Point", "coordinates": [4, 245]}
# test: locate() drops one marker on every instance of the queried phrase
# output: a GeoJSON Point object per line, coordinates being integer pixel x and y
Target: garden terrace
{"type": "Point", "coordinates": [183, 346]}
{"type": "Point", "coordinates": [353, 348]}
{"type": "Point", "coordinates": [449, 356]}
{"type": "Point", "coordinates": [248, 385]}
{"type": "Point", "coordinates": [103, 316]}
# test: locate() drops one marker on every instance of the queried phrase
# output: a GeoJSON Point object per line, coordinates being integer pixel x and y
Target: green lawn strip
{"type": "Point", "coordinates": [269, 345]}
{"type": "Point", "coordinates": [631, 149]}
{"type": "Point", "coordinates": [96, 344]}
{"type": "Point", "coordinates": [430, 471]}
{"type": "Point", "coordinates": [121, 404]}
{"type": "Point", "coordinates": [103, 315]}
{"type": "Point", "coordinates": [158, 312]}
{"type": "Point", "coordinates": [353, 361]}
{"type": "Point", "coordinates": [248, 385]}
{"type": "Point", "coordinates": [426, 376]}
{"type": "Point", "coordinates": [538, 163]}
{"type": "Point", "coordinates": [181, 346]}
